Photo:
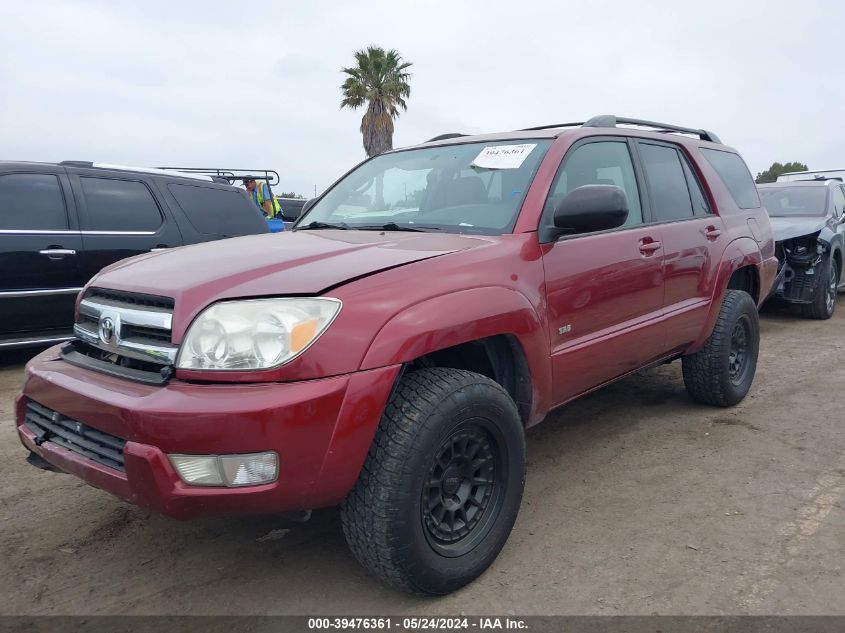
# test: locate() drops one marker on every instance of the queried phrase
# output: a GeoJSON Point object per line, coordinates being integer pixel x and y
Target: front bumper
{"type": "Point", "coordinates": [321, 429]}
{"type": "Point", "coordinates": [798, 277]}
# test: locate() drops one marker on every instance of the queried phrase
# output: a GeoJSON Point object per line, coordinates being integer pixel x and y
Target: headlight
{"type": "Point", "coordinates": [255, 333]}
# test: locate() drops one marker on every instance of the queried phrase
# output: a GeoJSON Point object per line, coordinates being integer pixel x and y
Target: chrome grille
{"type": "Point", "coordinates": [131, 299]}
{"type": "Point", "coordinates": [127, 324]}
{"type": "Point", "coordinates": [51, 426]}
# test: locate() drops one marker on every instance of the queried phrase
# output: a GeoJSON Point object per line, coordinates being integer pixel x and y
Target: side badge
{"type": "Point", "coordinates": [566, 329]}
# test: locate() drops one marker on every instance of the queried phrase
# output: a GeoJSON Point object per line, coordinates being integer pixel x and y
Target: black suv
{"type": "Point", "coordinates": [807, 219]}
{"type": "Point", "coordinates": [61, 223]}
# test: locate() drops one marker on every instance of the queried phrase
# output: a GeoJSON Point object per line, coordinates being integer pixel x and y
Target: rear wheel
{"type": "Point", "coordinates": [824, 304]}
{"type": "Point", "coordinates": [722, 371]}
{"type": "Point", "coordinates": [441, 486]}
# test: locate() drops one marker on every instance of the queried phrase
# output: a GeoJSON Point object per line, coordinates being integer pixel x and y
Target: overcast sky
{"type": "Point", "coordinates": [256, 84]}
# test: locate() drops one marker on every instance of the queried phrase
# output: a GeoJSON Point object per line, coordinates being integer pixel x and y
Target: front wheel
{"type": "Point", "coordinates": [441, 486]}
{"type": "Point", "coordinates": [824, 303]}
{"type": "Point", "coordinates": [722, 371]}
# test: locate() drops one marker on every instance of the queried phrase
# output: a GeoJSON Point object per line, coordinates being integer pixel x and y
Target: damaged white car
{"type": "Point", "coordinates": [807, 219]}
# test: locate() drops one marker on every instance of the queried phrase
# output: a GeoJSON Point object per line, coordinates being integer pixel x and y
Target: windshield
{"type": "Point", "coordinates": [469, 188]}
{"type": "Point", "coordinates": [787, 201]}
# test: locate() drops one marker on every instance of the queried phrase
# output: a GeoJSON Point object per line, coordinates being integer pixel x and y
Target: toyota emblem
{"type": "Point", "coordinates": [107, 330]}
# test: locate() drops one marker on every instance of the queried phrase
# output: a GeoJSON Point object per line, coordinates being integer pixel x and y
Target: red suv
{"type": "Point", "coordinates": [388, 354]}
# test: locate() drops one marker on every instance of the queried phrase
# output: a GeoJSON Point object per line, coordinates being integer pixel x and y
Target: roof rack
{"type": "Point", "coordinates": [552, 126]}
{"type": "Point", "coordinates": [270, 176]}
{"type": "Point", "coordinates": [164, 171]}
{"type": "Point", "coordinates": [443, 137]}
{"type": "Point", "coordinates": [819, 178]}
{"type": "Point", "coordinates": [610, 120]}
{"type": "Point", "coordinates": [812, 171]}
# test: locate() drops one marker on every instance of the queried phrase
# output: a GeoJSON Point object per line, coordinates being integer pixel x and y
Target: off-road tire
{"type": "Point", "coordinates": [824, 304]}
{"type": "Point", "coordinates": [710, 374]}
{"type": "Point", "coordinates": [389, 516]}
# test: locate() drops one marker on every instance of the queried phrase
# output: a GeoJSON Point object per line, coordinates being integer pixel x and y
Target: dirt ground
{"type": "Point", "coordinates": [637, 502]}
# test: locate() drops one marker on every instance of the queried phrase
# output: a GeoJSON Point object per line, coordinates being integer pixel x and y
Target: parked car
{"type": "Point", "coordinates": [61, 223]}
{"type": "Point", "coordinates": [807, 219]}
{"type": "Point", "coordinates": [291, 208]}
{"type": "Point", "coordinates": [388, 353]}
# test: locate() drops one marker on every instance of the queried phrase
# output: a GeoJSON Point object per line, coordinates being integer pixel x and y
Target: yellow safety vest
{"type": "Point", "coordinates": [259, 195]}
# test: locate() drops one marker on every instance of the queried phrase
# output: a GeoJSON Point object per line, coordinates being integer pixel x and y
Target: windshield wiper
{"type": "Point", "coordinates": [392, 226]}
{"type": "Point", "coordinates": [324, 225]}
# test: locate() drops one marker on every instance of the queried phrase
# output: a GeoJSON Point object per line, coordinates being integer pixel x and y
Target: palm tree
{"type": "Point", "coordinates": [379, 79]}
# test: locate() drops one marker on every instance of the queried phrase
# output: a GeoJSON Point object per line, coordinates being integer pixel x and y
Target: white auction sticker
{"type": "Point", "coordinates": [503, 156]}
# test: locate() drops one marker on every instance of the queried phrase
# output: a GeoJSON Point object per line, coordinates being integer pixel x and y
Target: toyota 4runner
{"type": "Point", "coordinates": [389, 352]}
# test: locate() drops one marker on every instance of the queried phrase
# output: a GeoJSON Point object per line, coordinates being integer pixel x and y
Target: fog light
{"type": "Point", "coordinates": [250, 469]}
{"type": "Point", "coordinates": [198, 470]}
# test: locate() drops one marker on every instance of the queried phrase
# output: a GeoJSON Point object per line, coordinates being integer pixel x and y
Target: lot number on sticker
{"type": "Point", "coordinates": [503, 156]}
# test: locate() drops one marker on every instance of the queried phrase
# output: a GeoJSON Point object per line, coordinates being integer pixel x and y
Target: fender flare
{"type": "Point", "coordinates": [739, 253]}
{"type": "Point", "coordinates": [461, 317]}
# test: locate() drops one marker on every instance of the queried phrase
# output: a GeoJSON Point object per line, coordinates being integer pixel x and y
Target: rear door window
{"type": "Point", "coordinates": [734, 173]}
{"type": "Point", "coordinates": [118, 205]}
{"type": "Point", "coordinates": [214, 211]}
{"type": "Point", "coordinates": [667, 183]}
{"type": "Point", "coordinates": [32, 202]}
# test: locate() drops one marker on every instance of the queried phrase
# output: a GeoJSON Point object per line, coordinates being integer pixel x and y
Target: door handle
{"type": "Point", "coordinates": [57, 253]}
{"type": "Point", "coordinates": [649, 248]}
{"type": "Point", "coordinates": [711, 232]}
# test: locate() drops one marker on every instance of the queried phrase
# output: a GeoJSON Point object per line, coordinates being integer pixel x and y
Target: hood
{"type": "Point", "coordinates": [795, 226]}
{"type": "Point", "coordinates": [290, 263]}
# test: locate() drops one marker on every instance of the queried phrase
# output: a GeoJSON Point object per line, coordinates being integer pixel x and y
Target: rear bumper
{"type": "Point", "coordinates": [321, 430]}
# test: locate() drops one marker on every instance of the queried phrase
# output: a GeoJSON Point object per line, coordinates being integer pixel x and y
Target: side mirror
{"type": "Point", "coordinates": [592, 208]}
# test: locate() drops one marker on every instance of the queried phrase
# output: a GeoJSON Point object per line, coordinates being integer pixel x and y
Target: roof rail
{"type": "Point", "coordinates": [552, 126]}
{"type": "Point", "coordinates": [143, 170]}
{"type": "Point", "coordinates": [77, 163]}
{"type": "Point", "coordinates": [609, 120]}
{"type": "Point", "coordinates": [819, 178]}
{"type": "Point", "coordinates": [811, 171]}
{"type": "Point", "coordinates": [270, 176]}
{"type": "Point", "coordinates": [443, 137]}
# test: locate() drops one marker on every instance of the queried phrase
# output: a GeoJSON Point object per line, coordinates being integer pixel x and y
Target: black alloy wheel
{"type": "Point", "coordinates": [738, 355]}
{"type": "Point", "coordinates": [722, 370]}
{"type": "Point", "coordinates": [462, 494]}
{"type": "Point", "coordinates": [440, 489]}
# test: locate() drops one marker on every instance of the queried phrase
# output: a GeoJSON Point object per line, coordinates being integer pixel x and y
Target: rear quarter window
{"type": "Point", "coordinates": [118, 205]}
{"type": "Point", "coordinates": [213, 211]}
{"type": "Point", "coordinates": [734, 173]}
